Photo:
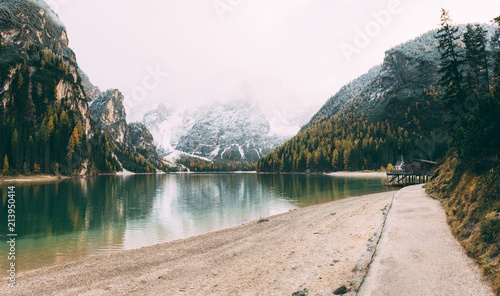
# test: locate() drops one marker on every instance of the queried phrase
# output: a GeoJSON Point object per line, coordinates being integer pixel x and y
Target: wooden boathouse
{"type": "Point", "coordinates": [416, 172]}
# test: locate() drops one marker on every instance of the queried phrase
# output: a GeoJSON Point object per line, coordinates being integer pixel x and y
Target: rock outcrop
{"type": "Point", "coordinates": [108, 112]}
{"type": "Point", "coordinates": [25, 22]}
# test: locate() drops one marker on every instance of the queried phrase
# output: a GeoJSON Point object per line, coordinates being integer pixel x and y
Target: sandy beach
{"type": "Point", "coordinates": [318, 248]}
{"type": "Point", "coordinates": [30, 179]}
{"type": "Point", "coordinates": [359, 174]}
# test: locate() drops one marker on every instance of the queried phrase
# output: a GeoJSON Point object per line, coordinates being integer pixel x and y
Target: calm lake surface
{"type": "Point", "coordinates": [72, 219]}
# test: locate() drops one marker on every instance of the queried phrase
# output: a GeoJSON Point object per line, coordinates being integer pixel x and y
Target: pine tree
{"type": "Point", "coordinates": [15, 150]}
{"type": "Point", "coordinates": [476, 60]}
{"type": "Point", "coordinates": [79, 128]}
{"type": "Point", "coordinates": [71, 149]}
{"type": "Point", "coordinates": [5, 168]}
{"type": "Point", "coordinates": [26, 169]}
{"type": "Point", "coordinates": [495, 48]}
{"type": "Point", "coordinates": [20, 81]}
{"type": "Point", "coordinates": [76, 138]}
{"type": "Point", "coordinates": [451, 59]}
{"type": "Point", "coordinates": [335, 160]}
{"type": "Point", "coordinates": [36, 168]}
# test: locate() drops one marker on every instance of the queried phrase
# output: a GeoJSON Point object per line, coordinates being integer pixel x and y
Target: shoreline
{"type": "Point", "coordinates": [359, 174]}
{"type": "Point", "coordinates": [32, 179]}
{"type": "Point", "coordinates": [51, 178]}
{"type": "Point", "coordinates": [320, 248]}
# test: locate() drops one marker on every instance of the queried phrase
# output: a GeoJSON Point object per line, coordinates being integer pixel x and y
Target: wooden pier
{"type": "Point", "coordinates": [403, 178]}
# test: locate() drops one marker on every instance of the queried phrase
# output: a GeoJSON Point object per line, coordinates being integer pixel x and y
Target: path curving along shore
{"type": "Point", "coordinates": [418, 255]}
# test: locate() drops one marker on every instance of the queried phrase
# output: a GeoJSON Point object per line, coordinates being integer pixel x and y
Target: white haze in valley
{"type": "Point", "coordinates": [293, 53]}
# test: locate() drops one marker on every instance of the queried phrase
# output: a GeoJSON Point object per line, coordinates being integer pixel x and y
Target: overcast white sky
{"type": "Point", "coordinates": [289, 50]}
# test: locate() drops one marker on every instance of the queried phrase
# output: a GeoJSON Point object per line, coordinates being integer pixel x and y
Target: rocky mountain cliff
{"type": "Point", "coordinates": [403, 79]}
{"type": "Point", "coordinates": [45, 121]}
{"type": "Point", "coordinates": [108, 112]}
{"type": "Point", "coordinates": [25, 22]}
{"type": "Point", "coordinates": [236, 130]}
{"type": "Point", "coordinates": [30, 29]}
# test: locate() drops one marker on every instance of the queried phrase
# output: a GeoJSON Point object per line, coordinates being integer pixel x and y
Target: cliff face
{"type": "Point", "coordinates": [45, 119]}
{"type": "Point", "coordinates": [108, 112]}
{"type": "Point", "coordinates": [31, 31]}
{"type": "Point", "coordinates": [26, 22]}
{"type": "Point", "coordinates": [139, 137]}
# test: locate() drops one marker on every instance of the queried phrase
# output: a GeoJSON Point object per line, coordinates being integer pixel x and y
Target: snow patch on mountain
{"type": "Point", "coordinates": [232, 130]}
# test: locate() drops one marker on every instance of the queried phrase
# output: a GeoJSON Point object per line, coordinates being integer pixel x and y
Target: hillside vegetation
{"type": "Point", "coordinates": [468, 182]}
{"type": "Point", "coordinates": [472, 205]}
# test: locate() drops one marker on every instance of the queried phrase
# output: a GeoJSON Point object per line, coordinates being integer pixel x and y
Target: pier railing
{"type": "Point", "coordinates": [408, 172]}
{"type": "Point", "coordinates": [407, 177]}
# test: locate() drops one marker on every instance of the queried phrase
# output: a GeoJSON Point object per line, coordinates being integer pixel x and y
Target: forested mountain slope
{"type": "Point", "coordinates": [394, 110]}
{"type": "Point", "coordinates": [45, 120]}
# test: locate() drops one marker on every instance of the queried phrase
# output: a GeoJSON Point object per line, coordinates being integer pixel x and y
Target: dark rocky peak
{"type": "Point", "coordinates": [108, 112]}
{"type": "Point", "coordinates": [140, 137]}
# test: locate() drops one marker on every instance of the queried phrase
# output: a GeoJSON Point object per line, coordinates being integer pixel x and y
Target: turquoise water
{"type": "Point", "coordinates": [68, 220]}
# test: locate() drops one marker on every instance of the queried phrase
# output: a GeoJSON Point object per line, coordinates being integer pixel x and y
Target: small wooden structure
{"type": "Point", "coordinates": [400, 164]}
{"type": "Point", "coordinates": [416, 172]}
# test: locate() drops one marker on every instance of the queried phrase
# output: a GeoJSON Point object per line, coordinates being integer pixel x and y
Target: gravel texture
{"type": "Point", "coordinates": [418, 255]}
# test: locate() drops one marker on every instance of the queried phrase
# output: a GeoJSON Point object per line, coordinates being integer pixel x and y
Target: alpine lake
{"type": "Point", "coordinates": [66, 220]}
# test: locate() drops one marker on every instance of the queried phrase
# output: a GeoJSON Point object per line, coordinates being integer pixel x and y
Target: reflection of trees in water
{"type": "Point", "coordinates": [199, 194]}
{"type": "Point", "coordinates": [81, 204]}
{"type": "Point", "coordinates": [315, 189]}
{"type": "Point", "coordinates": [67, 220]}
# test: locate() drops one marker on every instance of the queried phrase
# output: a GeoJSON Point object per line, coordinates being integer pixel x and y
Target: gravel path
{"type": "Point", "coordinates": [418, 255]}
{"type": "Point", "coordinates": [318, 248]}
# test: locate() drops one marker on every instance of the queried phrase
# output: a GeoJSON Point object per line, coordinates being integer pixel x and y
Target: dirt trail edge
{"type": "Point", "coordinates": [418, 255]}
